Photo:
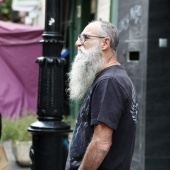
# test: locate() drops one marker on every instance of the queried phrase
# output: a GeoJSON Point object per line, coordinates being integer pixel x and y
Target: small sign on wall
{"type": "Point", "coordinates": [163, 42]}
{"type": "Point", "coordinates": [103, 10]}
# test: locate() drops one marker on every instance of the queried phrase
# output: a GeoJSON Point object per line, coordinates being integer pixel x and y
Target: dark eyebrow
{"type": "Point", "coordinates": [88, 36]}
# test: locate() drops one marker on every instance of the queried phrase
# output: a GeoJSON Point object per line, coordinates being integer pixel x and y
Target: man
{"type": "Point", "coordinates": [104, 135]}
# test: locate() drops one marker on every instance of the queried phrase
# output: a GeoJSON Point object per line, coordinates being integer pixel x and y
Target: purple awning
{"type": "Point", "coordinates": [19, 48]}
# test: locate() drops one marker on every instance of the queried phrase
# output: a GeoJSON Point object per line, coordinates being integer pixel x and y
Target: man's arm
{"type": "Point", "coordinates": [98, 147]}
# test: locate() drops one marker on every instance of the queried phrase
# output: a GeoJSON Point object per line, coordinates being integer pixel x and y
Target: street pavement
{"type": "Point", "coordinates": [11, 159]}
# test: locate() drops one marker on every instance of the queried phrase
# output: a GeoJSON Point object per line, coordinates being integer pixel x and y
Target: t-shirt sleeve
{"type": "Point", "coordinates": [108, 102]}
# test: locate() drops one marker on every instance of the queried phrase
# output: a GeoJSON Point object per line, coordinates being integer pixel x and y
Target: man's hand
{"type": "Point", "coordinates": [98, 147]}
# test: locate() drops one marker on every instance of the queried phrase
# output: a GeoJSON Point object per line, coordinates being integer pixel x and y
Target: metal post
{"type": "Point", "coordinates": [50, 134]}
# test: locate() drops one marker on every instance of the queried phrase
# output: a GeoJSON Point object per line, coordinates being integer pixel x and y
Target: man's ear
{"type": "Point", "coordinates": [105, 43]}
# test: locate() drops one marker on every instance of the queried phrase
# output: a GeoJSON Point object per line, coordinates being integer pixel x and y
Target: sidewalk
{"type": "Point", "coordinates": [11, 159]}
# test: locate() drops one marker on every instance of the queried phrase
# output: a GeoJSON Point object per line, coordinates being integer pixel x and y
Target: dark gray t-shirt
{"type": "Point", "coordinates": [111, 100]}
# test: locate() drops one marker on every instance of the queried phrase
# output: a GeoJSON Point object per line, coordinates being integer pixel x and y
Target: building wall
{"type": "Point", "coordinates": [143, 25]}
{"type": "Point", "coordinates": [157, 149]}
{"type": "Point", "coordinates": [132, 53]}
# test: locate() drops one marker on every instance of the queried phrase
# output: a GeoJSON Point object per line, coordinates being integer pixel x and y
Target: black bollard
{"type": "Point", "coordinates": [49, 133]}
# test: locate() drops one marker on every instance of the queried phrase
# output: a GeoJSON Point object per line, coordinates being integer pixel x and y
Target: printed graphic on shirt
{"type": "Point", "coordinates": [134, 106]}
{"type": "Point", "coordinates": [81, 137]}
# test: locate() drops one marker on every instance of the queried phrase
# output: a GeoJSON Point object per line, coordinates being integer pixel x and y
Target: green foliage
{"type": "Point", "coordinates": [5, 10]}
{"type": "Point", "coordinates": [70, 121]}
{"type": "Point", "coordinates": [17, 129]}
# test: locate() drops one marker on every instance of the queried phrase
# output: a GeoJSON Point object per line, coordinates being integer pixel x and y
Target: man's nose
{"type": "Point", "coordinates": [78, 43]}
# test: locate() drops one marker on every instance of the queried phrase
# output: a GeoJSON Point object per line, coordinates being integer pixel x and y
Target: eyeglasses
{"type": "Point", "coordinates": [85, 37]}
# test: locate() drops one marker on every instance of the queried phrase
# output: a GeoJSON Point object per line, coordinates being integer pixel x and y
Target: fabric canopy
{"type": "Point", "coordinates": [19, 48]}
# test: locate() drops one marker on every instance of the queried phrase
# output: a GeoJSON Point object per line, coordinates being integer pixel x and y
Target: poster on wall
{"type": "Point", "coordinates": [25, 5]}
{"type": "Point", "coordinates": [103, 10]}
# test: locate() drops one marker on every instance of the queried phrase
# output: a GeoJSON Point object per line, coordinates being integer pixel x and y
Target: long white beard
{"type": "Point", "coordinates": [86, 65]}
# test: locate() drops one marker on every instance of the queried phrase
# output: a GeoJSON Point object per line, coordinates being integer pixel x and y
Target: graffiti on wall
{"type": "Point", "coordinates": [133, 16]}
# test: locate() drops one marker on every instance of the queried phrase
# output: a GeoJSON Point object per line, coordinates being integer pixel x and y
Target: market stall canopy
{"type": "Point", "coordinates": [19, 48]}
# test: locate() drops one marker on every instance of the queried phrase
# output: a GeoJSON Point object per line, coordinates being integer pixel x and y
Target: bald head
{"type": "Point", "coordinates": [107, 29]}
